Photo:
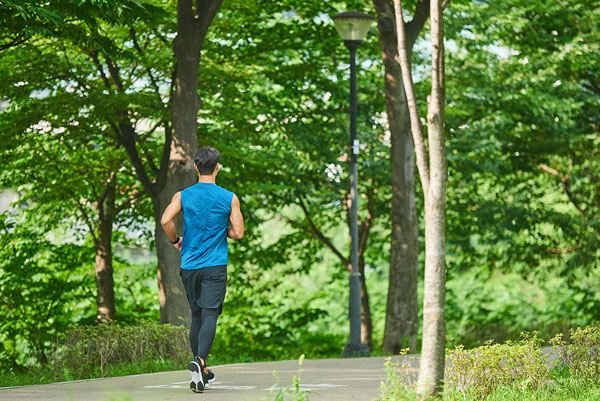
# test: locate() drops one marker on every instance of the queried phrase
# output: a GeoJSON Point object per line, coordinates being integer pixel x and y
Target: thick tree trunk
{"type": "Point", "coordinates": [105, 295]}
{"type": "Point", "coordinates": [401, 322]}
{"type": "Point", "coordinates": [431, 373]}
{"type": "Point", "coordinates": [193, 20]}
{"type": "Point", "coordinates": [174, 307]}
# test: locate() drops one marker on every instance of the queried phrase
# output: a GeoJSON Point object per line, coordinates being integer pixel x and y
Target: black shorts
{"type": "Point", "coordinates": [205, 287]}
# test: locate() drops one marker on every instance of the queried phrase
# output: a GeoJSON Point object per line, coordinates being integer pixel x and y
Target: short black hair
{"type": "Point", "coordinates": [206, 159]}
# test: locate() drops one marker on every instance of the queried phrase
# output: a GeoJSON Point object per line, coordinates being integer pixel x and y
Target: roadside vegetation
{"type": "Point", "coordinates": [512, 370]}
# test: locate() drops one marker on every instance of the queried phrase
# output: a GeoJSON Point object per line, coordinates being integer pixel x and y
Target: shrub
{"type": "Point", "coordinates": [581, 355]}
{"type": "Point", "coordinates": [481, 371]}
{"type": "Point", "coordinates": [92, 351]}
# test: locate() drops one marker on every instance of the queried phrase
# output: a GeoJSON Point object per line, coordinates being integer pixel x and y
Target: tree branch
{"type": "Point", "coordinates": [128, 142]}
{"type": "Point", "coordinates": [319, 235]}
{"type": "Point", "coordinates": [114, 72]}
{"type": "Point", "coordinates": [549, 169]}
{"type": "Point", "coordinates": [142, 138]}
{"type": "Point", "coordinates": [564, 180]}
{"type": "Point", "coordinates": [567, 250]}
{"type": "Point", "coordinates": [205, 12]}
{"type": "Point", "coordinates": [124, 132]}
{"type": "Point", "coordinates": [144, 152]}
{"type": "Point", "coordinates": [592, 87]}
{"type": "Point", "coordinates": [415, 123]}
{"type": "Point", "coordinates": [106, 190]}
{"type": "Point", "coordinates": [94, 55]}
{"type": "Point", "coordinates": [161, 175]}
{"type": "Point", "coordinates": [16, 41]}
{"type": "Point", "coordinates": [116, 130]}
{"type": "Point", "coordinates": [414, 27]}
{"type": "Point", "coordinates": [85, 218]}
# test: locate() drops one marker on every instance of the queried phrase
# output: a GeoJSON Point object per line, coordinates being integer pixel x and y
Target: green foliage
{"type": "Point", "coordinates": [47, 285]}
{"type": "Point", "coordinates": [135, 292]}
{"type": "Point", "coordinates": [581, 354]}
{"type": "Point", "coordinates": [523, 139]}
{"type": "Point", "coordinates": [83, 352]}
{"type": "Point", "coordinates": [23, 20]}
{"type": "Point", "coordinates": [281, 123]}
{"type": "Point", "coordinates": [480, 304]}
{"type": "Point", "coordinates": [41, 284]}
{"type": "Point", "coordinates": [523, 143]}
{"type": "Point", "coordinates": [274, 320]}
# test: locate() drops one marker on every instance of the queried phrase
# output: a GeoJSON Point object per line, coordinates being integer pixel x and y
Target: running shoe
{"type": "Point", "coordinates": [210, 378]}
{"type": "Point", "coordinates": [207, 378]}
{"type": "Point", "coordinates": [197, 383]}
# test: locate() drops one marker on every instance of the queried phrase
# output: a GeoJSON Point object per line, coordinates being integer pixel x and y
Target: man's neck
{"type": "Point", "coordinates": [207, 179]}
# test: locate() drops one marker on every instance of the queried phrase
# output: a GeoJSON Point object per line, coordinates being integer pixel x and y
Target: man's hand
{"type": "Point", "coordinates": [178, 244]}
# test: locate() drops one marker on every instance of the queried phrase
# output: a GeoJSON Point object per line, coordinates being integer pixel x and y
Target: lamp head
{"type": "Point", "coordinates": [352, 25]}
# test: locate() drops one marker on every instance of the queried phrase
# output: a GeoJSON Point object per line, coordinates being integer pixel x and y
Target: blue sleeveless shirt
{"type": "Point", "coordinates": [206, 209]}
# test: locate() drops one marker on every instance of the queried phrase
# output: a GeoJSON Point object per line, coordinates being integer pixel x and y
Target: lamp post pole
{"type": "Point", "coordinates": [355, 298]}
{"type": "Point", "coordinates": [352, 27]}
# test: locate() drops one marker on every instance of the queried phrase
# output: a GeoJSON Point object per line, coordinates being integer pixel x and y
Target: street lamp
{"type": "Point", "coordinates": [353, 27]}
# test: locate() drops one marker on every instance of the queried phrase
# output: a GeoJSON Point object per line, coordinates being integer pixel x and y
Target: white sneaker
{"type": "Point", "coordinates": [197, 384]}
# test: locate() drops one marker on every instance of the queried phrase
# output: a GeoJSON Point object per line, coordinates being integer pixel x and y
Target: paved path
{"type": "Point", "coordinates": [327, 379]}
{"type": "Point", "coordinates": [355, 379]}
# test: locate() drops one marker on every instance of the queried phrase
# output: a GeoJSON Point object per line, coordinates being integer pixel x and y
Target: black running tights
{"type": "Point", "coordinates": [202, 331]}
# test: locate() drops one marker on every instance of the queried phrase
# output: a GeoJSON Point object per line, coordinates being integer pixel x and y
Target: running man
{"type": "Point", "coordinates": [211, 214]}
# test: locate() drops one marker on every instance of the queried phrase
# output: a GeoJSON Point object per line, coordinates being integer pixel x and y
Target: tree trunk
{"type": "Point", "coordinates": [105, 295]}
{"type": "Point", "coordinates": [366, 332]}
{"type": "Point", "coordinates": [401, 322]}
{"type": "Point", "coordinates": [364, 228]}
{"type": "Point", "coordinates": [431, 373]}
{"type": "Point", "coordinates": [433, 179]}
{"type": "Point", "coordinates": [193, 20]}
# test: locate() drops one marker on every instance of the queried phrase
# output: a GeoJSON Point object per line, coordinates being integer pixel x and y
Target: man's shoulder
{"type": "Point", "coordinates": [225, 191]}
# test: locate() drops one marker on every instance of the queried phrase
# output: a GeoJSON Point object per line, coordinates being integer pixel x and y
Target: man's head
{"type": "Point", "coordinates": [206, 159]}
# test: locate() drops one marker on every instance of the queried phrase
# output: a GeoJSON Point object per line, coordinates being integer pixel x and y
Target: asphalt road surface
{"type": "Point", "coordinates": [328, 379]}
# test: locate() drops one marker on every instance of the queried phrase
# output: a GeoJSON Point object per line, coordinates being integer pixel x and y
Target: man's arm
{"type": "Point", "coordinates": [169, 215]}
{"type": "Point", "coordinates": [236, 221]}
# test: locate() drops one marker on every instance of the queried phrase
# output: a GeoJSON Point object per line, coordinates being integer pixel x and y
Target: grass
{"type": "Point", "coordinates": [41, 376]}
{"type": "Point", "coordinates": [560, 387]}
{"type": "Point", "coordinates": [563, 390]}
